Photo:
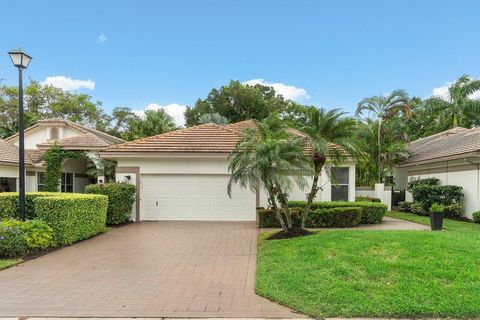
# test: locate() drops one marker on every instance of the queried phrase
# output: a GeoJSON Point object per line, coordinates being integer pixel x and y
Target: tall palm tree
{"type": "Point", "coordinates": [457, 106]}
{"type": "Point", "coordinates": [384, 108]}
{"type": "Point", "coordinates": [330, 135]}
{"type": "Point", "coordinates": [376, 167]}
{"type": "Point", "coordinates": [269, 156]}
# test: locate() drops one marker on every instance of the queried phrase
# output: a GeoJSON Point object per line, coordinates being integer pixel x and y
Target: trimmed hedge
{"type": "Point", "coordinates": [372, 212]}
{"type": "Point", "coordinates": [121, 197]}
{"type": "Point", "coordinates": [9, 204]}
{"type": "Point", "coordinates": [73, 217]}
{"type": "Point", "coordinates": [366, 199]}
{"type": "Point", "coordinates": [342, 217]}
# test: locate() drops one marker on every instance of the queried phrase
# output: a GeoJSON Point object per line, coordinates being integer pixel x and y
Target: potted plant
{"type": "Point", "coordinates": [436, 216]}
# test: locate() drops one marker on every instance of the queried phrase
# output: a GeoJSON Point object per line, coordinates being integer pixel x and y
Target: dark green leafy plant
{"type": "Point", "coordinates": [405, 206]}
{"type": "Point", "coordinates": [121, 197]}
{"type": "Point", "coordinates": [426, 192]}
{"type": "Point", "coordinates": [366, 199]}
{"type": "Point", "coordinates": [37, 234]}
{"type": "Point", "coordinates": [417, 208]}
{"type": "Point", "coordinates": [476, 216]}
{"type": "Point", "coordinates": [53, 159]}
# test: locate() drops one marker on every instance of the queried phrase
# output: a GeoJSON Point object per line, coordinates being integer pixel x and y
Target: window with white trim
{"type": "Point", "coordinates": [340, 181]}
{"type": "Point", "coordinates": [40, 181]}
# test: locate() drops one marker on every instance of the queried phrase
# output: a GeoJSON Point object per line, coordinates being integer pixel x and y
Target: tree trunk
{"type": "Point", "coordinates": [283, 199]}
{"type": "Point", "coordinates": [278, 214]}
{"type": "Point", "coordinates": [313, 191]}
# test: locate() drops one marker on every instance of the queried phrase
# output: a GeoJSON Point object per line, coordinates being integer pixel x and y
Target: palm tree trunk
{"type": "Point", "coordinates": [276, 209]}
{"type": "Point", "coordinates": [455, 120]}
{"type": "Point", "coordinates": [283, 199]}
{"type": "Point", "coordinates": [313, 191]}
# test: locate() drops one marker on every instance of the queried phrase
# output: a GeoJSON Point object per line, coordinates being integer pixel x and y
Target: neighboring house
{"type": "Point", "coordinates": [38, 139]}
{"type": "Point", "coordinates": [453, 156]}
{"type": "Point", "coordinates": [183, 175]}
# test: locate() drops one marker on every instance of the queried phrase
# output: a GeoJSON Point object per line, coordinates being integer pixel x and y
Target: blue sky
{"type": "Point", "coordinates": [170, 53]}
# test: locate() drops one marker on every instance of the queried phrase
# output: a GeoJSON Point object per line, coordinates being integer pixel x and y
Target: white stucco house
{"type": "Point", "coordinates": [183, 175]}
{"type": "Point", "coordinates": [39, 138]}
{"type": "Point", "coordinates": [453, 156]}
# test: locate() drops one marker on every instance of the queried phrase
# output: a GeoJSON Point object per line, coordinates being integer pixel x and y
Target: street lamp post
{"type": "Point", "coordinates": [20, 60]}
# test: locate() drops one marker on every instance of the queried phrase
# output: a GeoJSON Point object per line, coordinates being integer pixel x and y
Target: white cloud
{"type": "Point", "coordinates": [287, 91]}
{"type": "Point", "coordinates": [102, 38]}
{"type": "Point", "coordinates": [69, 84]}
{"type": "Point", "coordinates": [443, 93]}
{"type": "Point", "coordinates": [175, 110]}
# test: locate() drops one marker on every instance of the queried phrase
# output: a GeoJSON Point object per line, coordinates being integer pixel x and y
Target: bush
{"type": "Point", "coordinates": [318, 218]}
{"type": "Point", "coordinates": [12, 241]}
{"type": "Point", "coordinates": [335, 217]}
{"type": "Point", "coordinates": [405, 206]}
{"type": "Point", "coordinates": [366, 199]}
{"type": "Point", "coordinates": [453, 210]}
{"type": "Point", "coordinates": [121, 197]}
{"type": "Point", "coordinates": [37, 234]}
{"type": "Point", "coordinates": [73, 217]}
{"type": "Point", "coordinates": [427, 192]}
{"type": "Point", "coordinates": [372, 212]}
{"type": "Point", "coordinates": [476, 216]}
{"type": "Point", "coordinates": [9, 204]}
{"type": "Point", "coordinates": [417, 208]}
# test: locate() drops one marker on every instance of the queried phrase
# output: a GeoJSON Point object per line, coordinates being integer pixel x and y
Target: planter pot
{"type": "Point", "coordinates": [436, 220]}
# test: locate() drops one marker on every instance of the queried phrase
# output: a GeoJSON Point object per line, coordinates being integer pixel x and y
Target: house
{"type": "Point", "coordinates": [183, 175]}
{"type": "Point", "coordinates": [453, 156]}
{"type": "Point", "coordinates": [39, 138]}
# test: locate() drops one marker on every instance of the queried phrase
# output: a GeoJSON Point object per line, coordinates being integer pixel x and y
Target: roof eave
{"type": "Point", "coordinates": [473, 154]}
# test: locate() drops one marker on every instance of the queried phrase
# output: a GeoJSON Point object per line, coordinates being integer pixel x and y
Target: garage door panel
{"type": "Point", "coordinates": [194, 197]}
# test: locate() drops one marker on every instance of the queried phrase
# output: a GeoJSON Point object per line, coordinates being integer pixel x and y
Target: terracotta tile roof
{"type": "Point", "coordinates": [205, 138]}
{"type": "Point", "coordinates": [81, 142]}
{"type": "Point", "coordinates": [9, 153]}
{"type": "Point", "coordinates": [456, 142]}
{"type": "Point", "coordinates": [35, 155]}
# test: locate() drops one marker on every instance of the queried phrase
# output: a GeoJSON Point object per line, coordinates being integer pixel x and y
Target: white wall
{"type": "Point", "coordinates": [41, 134]}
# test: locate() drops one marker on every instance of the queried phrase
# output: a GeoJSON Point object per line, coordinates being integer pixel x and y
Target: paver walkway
{"type": "Point", "coordinates": [148, 269]}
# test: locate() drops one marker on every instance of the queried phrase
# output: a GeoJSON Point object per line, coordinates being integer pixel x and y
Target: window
{"type": "Point", "coordinates": [8, 184]}
{"type": "Point", "coordinates": [67, 182]}
{"type": "Point", "coordinates": [339, 184]}
{"type": "Point", "coordinates": [40, 181]}
{"type": "Point", "coordinates": [53, 133]}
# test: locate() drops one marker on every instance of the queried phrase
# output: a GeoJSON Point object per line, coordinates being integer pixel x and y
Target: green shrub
{"type": "Point", "coordinates": [372, 212]}
{"type": "Point", "coordinates": [417, 208]}
{"type": "Point", "coordinates": [427, 192]}
{"type": "Point", "coordinates": [453, 210]}
{"type": "Point", "coordinates": [121, 197]}
{"type": "Point", "coordinates": [367, 199]}
{"type": "Point", "coordinates": [73, 217]}
{"type": "Point", "coordinates": [318, 218]}
{"type": "Point", "coordinates": [37, 234]}
{"type": "Point", "coordinates": [476, 216]}
{"type": "Point", "coordinates": [9, 204]}
{"type": "Point", "coordinates": [342, 217]}
{"type": "Point", "coordinates": [12, 241]}
{"type": "Point", "coordinates": [405, 206]}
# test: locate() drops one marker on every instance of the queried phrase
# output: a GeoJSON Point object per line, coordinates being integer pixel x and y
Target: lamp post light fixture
{"type": "Point", "coordinates": [21, 60]}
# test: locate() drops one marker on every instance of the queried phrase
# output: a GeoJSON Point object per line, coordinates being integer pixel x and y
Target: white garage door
{"type": "Point", "coordinates": [193, 197]}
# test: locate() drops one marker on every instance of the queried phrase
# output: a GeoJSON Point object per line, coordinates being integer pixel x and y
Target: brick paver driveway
{"type": "Point", "coordinates": [162, 269]}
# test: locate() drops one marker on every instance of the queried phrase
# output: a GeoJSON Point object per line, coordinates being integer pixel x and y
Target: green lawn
{"type": "Point", "coordinates": [5, 263]}
{"type": "Point", "coordinates": [376, 273]}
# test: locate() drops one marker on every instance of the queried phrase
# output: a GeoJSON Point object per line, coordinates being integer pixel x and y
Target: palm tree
{"type": "Point", "coordinates": [330, 135]}
{"type": "Point", "coordinates": [385, 108]}
{"type": "Point", "coordinates": [105, 168]}
{"type": "Point", "coordinates": [457, 106]}
{"type": "Point", "coordinates": [381, 162]}
{"type": "Point", "coordinates": [270, 156]}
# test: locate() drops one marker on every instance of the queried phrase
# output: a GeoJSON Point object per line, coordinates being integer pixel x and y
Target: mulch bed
{"type": "Point", "coordinates": [290, 233]}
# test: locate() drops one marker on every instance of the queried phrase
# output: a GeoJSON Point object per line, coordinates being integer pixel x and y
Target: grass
{"type": "Point", "coordinates": [5, 263]}
{"type": "Point", "coordinates": [361, 273]}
